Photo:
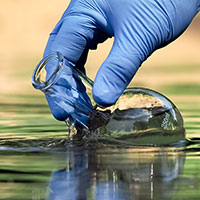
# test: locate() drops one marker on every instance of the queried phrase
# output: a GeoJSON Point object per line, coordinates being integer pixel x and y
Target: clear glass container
{"type": "Point", "coordinates": [143, 116]}
{"type": "Point", "coordinates": [140, 115]}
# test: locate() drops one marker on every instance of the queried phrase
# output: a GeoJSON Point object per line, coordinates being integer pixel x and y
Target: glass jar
{"type": "Point", "coordinates": [140, 115]}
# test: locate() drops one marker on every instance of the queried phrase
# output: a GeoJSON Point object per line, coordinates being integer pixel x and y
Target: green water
{"type": "Point", "coordinates": [32, 168]}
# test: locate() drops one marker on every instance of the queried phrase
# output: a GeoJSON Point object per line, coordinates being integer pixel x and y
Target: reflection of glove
{"type": "Point", "coordinates": [139, 26]}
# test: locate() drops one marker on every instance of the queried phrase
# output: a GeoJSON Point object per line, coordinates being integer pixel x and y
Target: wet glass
{"type": "Point", "coordinates": [143, 116]}
{"type": "Point", "coordinates": [140, 115]}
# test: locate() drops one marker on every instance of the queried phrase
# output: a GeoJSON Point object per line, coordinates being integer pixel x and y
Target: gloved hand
{"type": "Point", "coordinates": [139, 27]}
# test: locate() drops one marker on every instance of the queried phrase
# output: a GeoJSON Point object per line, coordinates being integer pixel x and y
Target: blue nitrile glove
{"type": "Point", "coordinates": [139, 27]}
{"type": "Point", "coordinates": [65, 92]}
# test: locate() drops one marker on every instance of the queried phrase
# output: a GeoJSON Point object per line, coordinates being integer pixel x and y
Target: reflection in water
{"type": "Point", "coordinates": [30, 169]}
{"type": "Point", "coordinates": [114, 174]}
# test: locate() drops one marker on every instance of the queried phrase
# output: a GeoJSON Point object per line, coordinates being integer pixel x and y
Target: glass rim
{"type": "Point", "coordinates": [36, 82]}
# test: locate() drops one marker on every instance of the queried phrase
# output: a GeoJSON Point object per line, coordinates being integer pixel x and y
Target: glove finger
{"type": "Point", "coordinates": [56, 110]}
{"type": "Point", "coordinates": [116, 72]}
{"type": "Point", "coordinates": [137, 35]}
{"type": "Point", "coordinates": [72, 36]}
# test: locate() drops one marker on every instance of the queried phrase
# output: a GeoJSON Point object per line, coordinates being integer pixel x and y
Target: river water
{"type": "Point", "coordinates": [36, 164]}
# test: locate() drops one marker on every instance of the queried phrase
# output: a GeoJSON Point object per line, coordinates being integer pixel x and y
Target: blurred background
{"type": "Point", "coordinates": [24, 31]}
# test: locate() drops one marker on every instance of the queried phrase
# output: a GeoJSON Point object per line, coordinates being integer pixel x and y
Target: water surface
{"type": "Point", "coordinates": [35, 165]}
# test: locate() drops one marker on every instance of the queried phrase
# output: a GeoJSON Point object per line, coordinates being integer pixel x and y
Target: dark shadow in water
{"type": "Point", "coordinates": [117, 174]}
{"type": "Point", "coordinates": [23, 176]}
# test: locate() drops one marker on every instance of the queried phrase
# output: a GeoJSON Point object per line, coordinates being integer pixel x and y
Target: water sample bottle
{"type": "Point", "coordinates": [140, 115]}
